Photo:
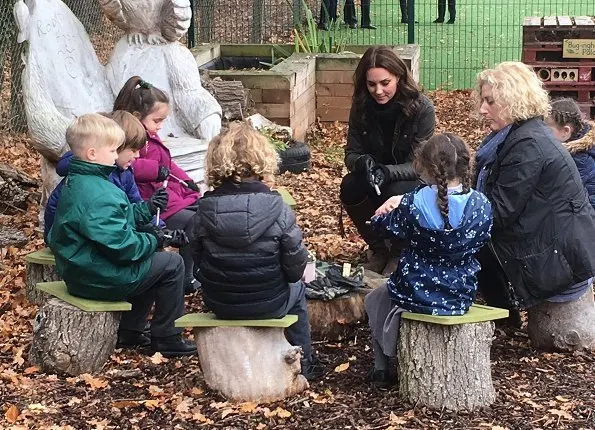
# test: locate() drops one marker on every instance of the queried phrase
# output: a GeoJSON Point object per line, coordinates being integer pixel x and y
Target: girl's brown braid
{"type": "Point", "coordinates": [564, 112]}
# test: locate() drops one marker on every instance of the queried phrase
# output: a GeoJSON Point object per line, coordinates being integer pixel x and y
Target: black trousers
{"type": "Point", "coordinates": [164, 286]}
{"type": "Point", "coordinates": [328, 11]}
{"type": "Point", "coordinates": [349, 12]}
{"type": "Point", "coordinates": [452, 10]}
{"type": "Point", "coordinates": [355, 189]}
{"type": "Point", "coordinates": [180, 220]}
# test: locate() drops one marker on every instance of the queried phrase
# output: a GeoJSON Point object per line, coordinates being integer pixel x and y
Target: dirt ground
{"type": "Point", "coordinates": [535, 390]}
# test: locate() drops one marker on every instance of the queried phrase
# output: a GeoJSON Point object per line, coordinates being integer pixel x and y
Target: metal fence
{"type": "Point", "coordinates": [485, 32]}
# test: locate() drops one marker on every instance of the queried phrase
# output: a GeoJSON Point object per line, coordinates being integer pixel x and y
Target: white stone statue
{"type": "Point", "coordinates": [150, 49]}
{"type": "Point", "coordinates": [63, 77]}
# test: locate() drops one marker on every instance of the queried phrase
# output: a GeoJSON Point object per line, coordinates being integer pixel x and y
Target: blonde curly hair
{"type": "Point", "coordinates": [516, 90]}
{"type": "Point", "coordinates": [238, 153]}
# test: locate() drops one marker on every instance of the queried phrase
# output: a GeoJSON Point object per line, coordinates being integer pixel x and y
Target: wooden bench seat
{"type": "Point", "coordinates": [247, 360]}
{"type": "Point", "coordinates": [73, 335]}
{"type": "Point", "coordinates": [444, 361]}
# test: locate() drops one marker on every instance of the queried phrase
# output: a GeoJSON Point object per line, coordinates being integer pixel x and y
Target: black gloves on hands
{"type": "Point", "coordinates": [159, 200]}
{"type": "Point", "coordinates": [162, 174]}
{"type": "Point", "coordinates": [175, 238]}
{"type": "Point", "coordinates": [192, 185]}
{"type": "Point", "coordinates": [378, 175]}
{"type": "Point", "coordinates": [364, 163]}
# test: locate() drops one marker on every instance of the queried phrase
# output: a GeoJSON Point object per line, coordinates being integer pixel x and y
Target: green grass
{"type": "Point", "coordinates": [486, 32]}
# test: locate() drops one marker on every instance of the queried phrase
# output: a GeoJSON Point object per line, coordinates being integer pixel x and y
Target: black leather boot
{"type": "Point", "coordinates": [128, 339]}
{"type": "Point", "coordinates": [378, 252]}
{"type": "Point", "coordinates": [173, 346]}
{"type": "Point", "coordinates": [441, 12]}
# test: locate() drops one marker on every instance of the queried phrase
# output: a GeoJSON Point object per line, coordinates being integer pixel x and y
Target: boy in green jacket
{"type": "Point", "coordinates": [106, 248]}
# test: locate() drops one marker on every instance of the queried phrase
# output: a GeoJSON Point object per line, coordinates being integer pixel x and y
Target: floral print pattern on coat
{"type": "Point", "coordinates": [437, 272]}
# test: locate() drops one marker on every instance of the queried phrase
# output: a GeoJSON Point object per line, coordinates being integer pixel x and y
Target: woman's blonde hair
{"type": "Point", "coordinates": [516, 90]}
{"type": "Point", "coordinates": [238, 153]}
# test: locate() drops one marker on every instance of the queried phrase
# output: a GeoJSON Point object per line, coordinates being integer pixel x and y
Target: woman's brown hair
{"type": "Point", "coordinates": [443, 158]}
{"type": "Point", "coordinates": [138, 96]}
{"type": "Point", "coordinates": [136, 135]}
{"type": "Point", "coordinates": [407, 95]}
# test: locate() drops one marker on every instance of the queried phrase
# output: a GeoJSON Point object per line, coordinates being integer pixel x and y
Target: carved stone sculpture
{"type": "Point", "coordinates": [63, 77]}
{"type": "Point", "coordinates": [150, 49]}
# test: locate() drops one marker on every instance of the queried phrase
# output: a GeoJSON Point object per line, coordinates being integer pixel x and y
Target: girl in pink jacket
{"type": "Point", "coordinates": [155, 165]}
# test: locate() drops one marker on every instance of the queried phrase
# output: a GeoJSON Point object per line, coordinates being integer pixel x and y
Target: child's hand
{"type": "Point", "coordinates": [388, 205]}
{"type": "Point", "coordinates": [175, 238]}
{"type": "Point", "coordinates": [162, 174]}
{"type": "Point", "coordinates": [192, 185]}
{"type": "Point", "coordinates": [159, 199]}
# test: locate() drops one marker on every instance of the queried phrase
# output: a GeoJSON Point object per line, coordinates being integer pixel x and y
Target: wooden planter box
{"type": "Point", "coordinates": [301, 87]}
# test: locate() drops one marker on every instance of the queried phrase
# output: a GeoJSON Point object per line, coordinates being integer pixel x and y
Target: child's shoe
{"type": "Point", "coordinates": [192, 287]}
{"type": "Point", "coordinates": [129, 339]}
{"type": "Point", "coordinates": [173, 346]}
{"type": "Point", "coordinates": [381, 378]}
{"type": "Point", "coordinates": [311, 368]}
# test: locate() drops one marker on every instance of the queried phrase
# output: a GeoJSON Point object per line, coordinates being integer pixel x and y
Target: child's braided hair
{"type": "Point", "coordinates": [443, 158]}
{"type": "Point", "coordinates": [565, 112]}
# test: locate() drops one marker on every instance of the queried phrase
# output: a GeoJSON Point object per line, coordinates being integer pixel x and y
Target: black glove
{"type": "Point", "coordinates": [155, 231]}
{"type": "Point", "coordinates": [159, 200]}
{"type": "Point", "coordinates": [175, 238]}
{"type": "Point", "coordinates": [162, 174]}
{"type": "Point", "coordinates": [378, 175]}
{"type": "Point", "coordinates": [192, 185]}
{"type": "Point", "coordinates": [364, 163]}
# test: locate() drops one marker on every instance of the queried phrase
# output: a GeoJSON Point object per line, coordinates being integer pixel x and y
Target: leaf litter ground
{"type": "Point", "coordinates": [535, 390]}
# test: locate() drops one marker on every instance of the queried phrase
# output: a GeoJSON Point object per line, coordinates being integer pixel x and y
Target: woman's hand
{"type": "Point", "coordinates": [388, 205]}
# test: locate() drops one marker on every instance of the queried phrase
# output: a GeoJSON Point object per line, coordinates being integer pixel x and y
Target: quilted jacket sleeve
{"type": "Point", "coordinates": [294, 255]}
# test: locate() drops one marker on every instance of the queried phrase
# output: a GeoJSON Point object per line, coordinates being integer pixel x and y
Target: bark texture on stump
{"type": "Point", "coordinates": [231, 95]}
{"type": "Point", "coordinates": [249, 364]}
{"type": "Point", "coordinates": [39, 273]}
{"type": "Point", "coordinates": [563, 326]}
{"type": "Point", "coordinates": [442, 366]}
{"type": "Point", "coordinates": [332, 319]}
{"type": "Point", "coordinates": [69, 341]}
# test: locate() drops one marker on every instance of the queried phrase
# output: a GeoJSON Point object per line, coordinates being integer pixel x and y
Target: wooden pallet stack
{"type": "Point", "coordinates": [561, 50]}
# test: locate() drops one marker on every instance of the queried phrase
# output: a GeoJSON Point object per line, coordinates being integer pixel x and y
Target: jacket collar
{"type": "Point", "coordinates": [245, 187]}
{"type": "Point", "coordinates": [584, 143]}
{"type": "Point", "coordinates": [81, 167]}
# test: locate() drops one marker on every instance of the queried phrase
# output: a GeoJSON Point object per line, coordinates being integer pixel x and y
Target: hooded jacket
{"type": "Point", "coordinates": [98, 251]}
{"type": "Point", "coordinates": [156, 154]}
{"type": "Point", "coordinates": [583, 154]}
{"type": "Point", "coordinates": [248, 248]}
{"type": "Point", "coordinates": [437, 272]}
{"type": "Point", "coordinates": [123, 179]}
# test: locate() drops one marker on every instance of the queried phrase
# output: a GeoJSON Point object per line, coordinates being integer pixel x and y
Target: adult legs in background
{"type": "Point", "coordinates": [328, 13]}
{"type": "Point", "coordinates": [404, 13]}
{"type": "Point", "coordinates": [366, 15]}
{"type": "Point", "coordinates": [180, 220]}
{"type": "Point", "coordinates": [452, 11]}
{"type": "Point", "coordinates": [349, 15]}
{"type": "Point", "coordinates": [163, 285]}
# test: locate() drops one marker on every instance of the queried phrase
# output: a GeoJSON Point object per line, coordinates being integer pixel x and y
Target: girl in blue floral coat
{"type": "Point", "coordinates": [445, 224]}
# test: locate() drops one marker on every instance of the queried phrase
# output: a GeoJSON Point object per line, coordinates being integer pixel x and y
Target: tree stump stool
{"type": "Point", "coordinates": [247, 360]}
{"type": "Point", "coordinates": [444, 361]}
{"type": "Point", "coordinates": [72, 335]}
{"type": "Point", "coordinates": [41, 267]}
{"type": "Point", "coordinates": [566, 326]}
{"type": "Point", "coordinates": [332, 319]}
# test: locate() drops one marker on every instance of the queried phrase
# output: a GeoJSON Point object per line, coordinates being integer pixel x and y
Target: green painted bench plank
{"type": "Point", "coordinates": [477, 313]}
{"type": "Point", "coordinates": [210, 320]}
{"type": "Point", "coordinates": [58, 289]}
{"type": "Point", "coordinates": [287, 198]}
{"type": "Point", "coordinates": [43, 256]}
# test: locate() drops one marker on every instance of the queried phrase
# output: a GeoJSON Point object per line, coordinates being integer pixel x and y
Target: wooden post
{"type": "Point", "coordinates": [247, 360]}
{"type": "Point", "coordinates": [446, 366]}
{"type": "Point", "coordinates": [67, 340]}
{"type": "Point", "coordinates": [565, 327]}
